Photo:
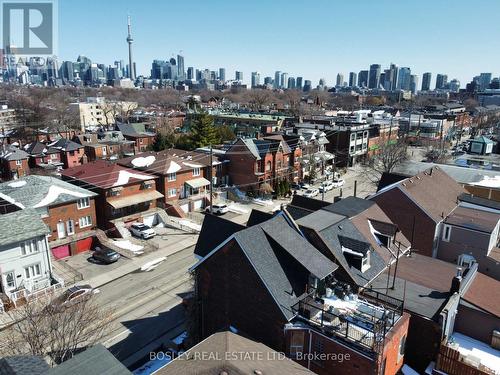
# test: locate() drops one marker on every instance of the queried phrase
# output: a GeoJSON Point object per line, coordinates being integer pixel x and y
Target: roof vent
{"type": "Point", "coordinates": [257, 372]}
{"type": "Point", "coordinates": [410, 181]}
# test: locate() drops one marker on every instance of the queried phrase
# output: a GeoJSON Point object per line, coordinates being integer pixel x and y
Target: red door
{"type": "Point", "coordinates": [84, 245]}
{"type": "Point", "coordinates": [60, 251]}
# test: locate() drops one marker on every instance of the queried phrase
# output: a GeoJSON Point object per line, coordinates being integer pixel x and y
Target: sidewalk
{"type": "Point", "coordinates": [135, 263]}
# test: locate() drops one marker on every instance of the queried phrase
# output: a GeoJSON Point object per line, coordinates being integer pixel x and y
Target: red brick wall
{"type": "Point", "coordinates": [393, 361]}
{"type": "Point", "coordinates": [231, 293]}
{"type": "Point", "coordinates": [69, 211]}
{"type": "Point", "coordinates": [10, 166]}
{"type": "Point", "coordinates": [127, 191]}
{"type": "Point", "coordinates": [179, 183]}
{"type": "Point", "coordinates": [242, 169]}
{"type": "Point", "coordinates": [73, 160]}
{"type": "Point", "coordinates": [415, 224]}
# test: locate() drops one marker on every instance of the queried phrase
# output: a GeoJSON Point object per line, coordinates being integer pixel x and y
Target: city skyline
{"type": "Point", "coordinates": [236, 51]}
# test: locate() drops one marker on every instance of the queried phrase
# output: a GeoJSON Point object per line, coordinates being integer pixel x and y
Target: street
{"type": "Point", "coordinates": [147, 304]}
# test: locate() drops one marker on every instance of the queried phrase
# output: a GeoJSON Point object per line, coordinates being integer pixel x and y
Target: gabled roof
{"type": "Point", "coordinates": [219, 345]}
{"type": "Point", "coordinates": [350, 206]}
{"type": "Point", "coordinates": [484, 292]}
{"type": "Point", "coordinates": [257, 216]}
{"type": "Point", "coordinates": [64, 144]}
{"type": "Point", "coordinates": [432, 190]}
{"type": "Point", "coordinates": [214, 231]}
{"type": "Point", "coordinates": [41, 191]}
{"type": "Point", "coordinates": [105, 175]}
{"type": "Point", "coordinates": [136, 130]}
{"type": "Point", "coordinates": [269, 247]}
{"type": "Point", "coordinates": [13, 153]}
{"type": "Point", "coordinates": [39, 148]}
{"type": "Point", "coordinates": [21, 225]}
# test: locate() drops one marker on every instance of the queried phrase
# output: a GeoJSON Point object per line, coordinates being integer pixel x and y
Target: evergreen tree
{"type": "Point", "coordinates": [161, 142]}
{"type": "Point", "coordinates": [203, 131]}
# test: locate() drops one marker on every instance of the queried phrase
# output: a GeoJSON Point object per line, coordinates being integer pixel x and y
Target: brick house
{"type": "Point", "coordinates": [14, 163]}
{"type": "Point", "coordinates": [72, 153]}
{"type": "Point", "coordinates": [68, 211]}
{"type": "Point", "coordinates": [269, 283]}
{"type": "Point", "coordinates": [43, 157]}
{"type": "Point", "coordinates": [253, 162]}
{"type": "Point", "coordinates": [138, 133]}
{"type": "Point", "coordinates": [183, 177]}
{"type": "Point", "coordinates": [418, 205]}
{"type": "Point", "coordinates": [123, 194]}
{"type": "Point", "coordinates": [109, 145]}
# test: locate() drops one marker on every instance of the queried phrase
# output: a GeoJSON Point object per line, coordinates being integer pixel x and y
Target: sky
{"type": "Point", "coordinates": [314, 39]}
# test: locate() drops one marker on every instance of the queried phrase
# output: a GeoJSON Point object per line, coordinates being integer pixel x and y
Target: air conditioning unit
{"type": "Point", "coordinates": [495, 339]}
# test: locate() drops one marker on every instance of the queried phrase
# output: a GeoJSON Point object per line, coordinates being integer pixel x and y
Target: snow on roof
{"type": "Point", "coordinates": [11, 200]}
{"type": "Point", "coordinates": [53, 194]}
{"type": "Point", "coordinates": [143, 161]}
{"type": "Point", "coordinates": [488, 181]}
{"type": "Point", "coordinates": [475, 350]}
{"type": "Point", "coordinates": [349, 251]}
{"type": "Point", "coordinates": [17, 183]}
{"type": "Point", "coordinates": [124, 177]}
{"type": "Point", "coordinates": [174, 167]}
{"type": "Point", "coordinates": [192, 165]}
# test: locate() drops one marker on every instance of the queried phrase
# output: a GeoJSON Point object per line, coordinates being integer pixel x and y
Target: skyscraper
{"type": "Point", "coordinates": [131, 71]}
{"type": "Point", "coordinates": [393, 76]}
{"type": "Point", "coordinates": [363, 78]}
{"type": "Point", "coordinates": [255, 79]}
{"type": "Point", "coordinates": [291, 83]}
{"type": "Point", "coordinates": [352, 79]}
{"type": "Point", "coordinates": [454, 85]}
{"type": "Point", "coordinates": [374, 76]}
{"type": "Point", "coordinates": [222, 74]}
{"type": "Point", "coordinates": [484, 81]}
{"type": "Point", "coordinates": [190, 73]}
{"type": "Point", "coordinates": [268, 80]}
{"type": "Point", "coordinates": [284, 80]}
{"type": "Point", "coordinates": [441, 81]}
{"type": "Point", "coordinates": [404, 77]}
{"type": "Point", "coordinates": [413, 83]}
{"type": "Point", "coordinates": [238, 75]}
{"type": "Point", "coordinates": [426, 81]}
{"type": "Point", "coordinates": [298, 83]}
{"type": "Point", "coordinates": [180, 68]}
{"type": "Point", "coordinates": [307, 85]}
{"type": "Point", "coordinates": [340, 79]}
{"type": "Point", "coordinates": [277, 79]}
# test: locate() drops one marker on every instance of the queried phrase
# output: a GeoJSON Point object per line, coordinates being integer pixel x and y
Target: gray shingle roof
{"type": "Point", "coordinates": [350, 206]}
{"type": "Point", "coordinates": [14, 153]}
{"type": "Point", "coordinates": [214, 231]}
{"type": "Point", "coordinates": [34, 190]}
{"type": "Point", "coordinates": [20, 226]}
{"type": "Point", "coordinates": [96, 360]}
{"type": "Point", "coordinates": [23, 365]}
{"type": "Point", "coordinates": [64, 144]}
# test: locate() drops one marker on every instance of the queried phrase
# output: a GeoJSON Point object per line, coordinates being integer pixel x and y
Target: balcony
{"type": "Point", "coordinates": [360, 321]}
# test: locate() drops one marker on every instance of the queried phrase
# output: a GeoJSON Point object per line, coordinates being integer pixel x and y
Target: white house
{"type": "Point", "coordinates": [25, 265]}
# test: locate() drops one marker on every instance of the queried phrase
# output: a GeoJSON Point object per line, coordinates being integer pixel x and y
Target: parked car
{"type": "Point", "coordinates": [105, 255]}
{"type": "Point", "coordinates": [218, 209]}
{"type": "Point", "coordinates": [142, 231]}
{"type": "Point", "coordinates": [338, 183]}
{"type": "Point", "coordinates": [310, 193]}
{"type": "Point", "coordinates": [304, 185]}
{"type": "Point", "coordinates": [326, 186]}
{"type": "Point", "coordinates": [295, 186]}
{"type": "Point", "coordinates": [73, 296]}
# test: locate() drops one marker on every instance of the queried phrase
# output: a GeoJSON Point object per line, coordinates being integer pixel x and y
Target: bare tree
{"type": "Point", "coordinates": [388, 156]}
{"type": "Point", "coordinates": [258, 98]}
{"type": "Point", "coordinates": [44, 328]}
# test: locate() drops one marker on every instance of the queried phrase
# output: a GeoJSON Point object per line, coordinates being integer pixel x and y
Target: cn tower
{"type": "Point", "coordinates": [131, 70]}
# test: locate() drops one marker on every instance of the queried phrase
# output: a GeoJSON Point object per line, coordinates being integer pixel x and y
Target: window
{"type": "Point", "coordinates": [353, 136]}
{"type": "Point", "coordinates": [172, 192]}
{"type": "Point", "coordinates": [85, 221]}
{"type": "Point", "coordinates": [53, 156]}
{"type": "Point", "coordinates": [10, 280]}
{"type": "Point", "coordinates": [196, 171]}
{"type": "Point", "coordinates": [70, 226]}
{"type": "Point", "coordinates": [446, 233]}
{"type": "Point", "coordinates": [83, 203]}
{"type": "Point", "coordinates": [29, 247]}
{"type": "Point", "coordinates": [171, 176]}
{"type": "Point", "coordinates": [141, 140]}
{"type": "Point", "coordinates": [268, 166]}
{"type": "Point", "coordinates": [296, 343]}
{"type": "Point", "coordinates": [402, 345]}
{"type": "Point", "coordinates": [32, 271]}
{"type": "Point", "coordinates": [72, 153]}
{"type": "Point", "coordinates": [318, 349]}
{"type": "Point", "coordinates": [19, 162]}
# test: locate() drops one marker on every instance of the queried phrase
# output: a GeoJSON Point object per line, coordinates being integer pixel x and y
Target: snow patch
{"type": "Point", "coordinates": [350, 251]}
{"type": "Point", "coordinates": [127, 245]}
{"type": "Point", "coordinates": [192, 165]}
{"type": "Point", "coordinates": [143, 161]}
{"type": "Point", "coordinates": [190, 225]}
{"type": "Point", "coordinates": [475, 351]}
{"type": "Point", "coordinates": [54, 193]}
{"type": "Point", "coordinates": [17, 184]}
{"type": "Point", "coordinates": [125, 176]}
{"type": "Point", "coordinates": [174, 167]}
{"type": "Point", "coordinates": [488, 181]}
{"type": "Point", "coordinates": [12, 201]}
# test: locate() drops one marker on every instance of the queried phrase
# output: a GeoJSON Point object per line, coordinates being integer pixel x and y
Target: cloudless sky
{"type": "Point", "coordinates": [309, 38]}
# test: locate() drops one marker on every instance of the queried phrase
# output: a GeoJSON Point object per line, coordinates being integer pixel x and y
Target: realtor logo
{"type": "Point", "coordinates": [28, 28]}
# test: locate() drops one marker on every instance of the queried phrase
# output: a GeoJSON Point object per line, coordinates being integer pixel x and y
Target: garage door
{"type": "Point", "coordinates": [185, 207]}
{"type": "Point", "coordinates": [60, 251]}
{"type": "Point", "coordinates": [84, 245]}
{"type": "Point", "coordinates": [198, 204]}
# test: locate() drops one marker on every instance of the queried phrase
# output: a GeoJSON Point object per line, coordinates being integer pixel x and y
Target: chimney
{"type": "Point", "coordinates": [456, 281]}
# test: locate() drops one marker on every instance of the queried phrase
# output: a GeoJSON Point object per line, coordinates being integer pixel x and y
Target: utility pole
{"type": "Point", "coordinates": [211, 181]}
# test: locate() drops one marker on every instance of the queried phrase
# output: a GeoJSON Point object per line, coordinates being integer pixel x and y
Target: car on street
{"type": "Point", "coordinates": [304, 186]}
{"type": "Point", "coordinates": [338, 183]}
{"type": "Point", "coordinates": [326, 186]}
{"type": "Point", "coordinates": [295, 186]}
{"type": "Point", "coordinates": [105, 255]}
{"type": "Point", "coordinates": [218, 209]}
{"type": "Point", "coordinates": [73, 296]}
{"type": "Point", "coordinates": [142, 231]}
{"type": "Point", "coordinates": [310, 193]}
